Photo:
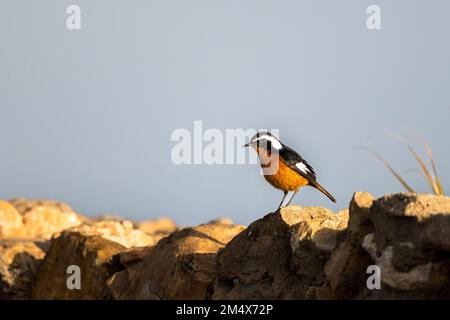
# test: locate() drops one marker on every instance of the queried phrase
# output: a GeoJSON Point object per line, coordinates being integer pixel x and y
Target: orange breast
{"type": "Point", "coordinates": [284, 178]}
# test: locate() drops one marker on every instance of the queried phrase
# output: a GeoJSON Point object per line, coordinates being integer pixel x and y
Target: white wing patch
{"type": "Point", "coordinates": [302, 167]}
{"type": "Point", "coordinates": [275, 143]}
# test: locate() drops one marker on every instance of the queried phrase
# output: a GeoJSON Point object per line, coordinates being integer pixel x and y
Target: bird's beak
{"type": "Point", "coordinates": [246, 145]}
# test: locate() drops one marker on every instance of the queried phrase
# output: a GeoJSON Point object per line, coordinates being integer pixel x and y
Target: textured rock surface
{"type": "Point", "coordinates": [181, 266]}
{"type": "Point", "coordinates": [10, 220]}
{"type": "Point", "coordinates": [19, 263]}
{"type": "Point", "coordinates": [35, 218]}
{"type": "Point", "coordinates": [97, 258]}
{"type": "Point", "coordinates": [280, 256]}
{"type": "Point", "coordinates": [346, 269]}
{"type": "Point", "coordinates": [158, 227]}
{"type": "Point", "coordinates": [134, 255]}
{"type": "Point", "coordinates": [298, 253]}
{"type": "Point", "coordinates": [406, 236]}
{"type": "Point", "coordinates": [120, 231]}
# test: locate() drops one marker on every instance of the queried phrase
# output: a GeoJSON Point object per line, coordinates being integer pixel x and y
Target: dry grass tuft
{"type": "Point", "coordinates": [430, 175]}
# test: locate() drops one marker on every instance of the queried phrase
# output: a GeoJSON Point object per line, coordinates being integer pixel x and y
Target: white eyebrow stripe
{"type": "Point", "coordinates": [275, 143]}
{"type": "Point", "coordinates": [302, 167]}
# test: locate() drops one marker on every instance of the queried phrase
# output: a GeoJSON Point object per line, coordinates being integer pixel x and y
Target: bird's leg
{"type": "Point", "coordinates": [282, 200]}
{"type": "Point", "coordinates": [289, 202]}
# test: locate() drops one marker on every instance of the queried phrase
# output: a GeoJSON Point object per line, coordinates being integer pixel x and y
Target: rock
{"type": "Point", "coordinates": [346, 269]}
{"type": "Point", "coordinates": [36, 218]}
{"type": "Point", "coordinates": [134, 255]}
{"type": "Point", "coordinates": [19, 263]}
{"type": "Point", "coordinates": [436, 232]}
{"type": "Point", "coordinates": [417, 277]}
{"type": "Point", "coordinates": [359, 209]}
{"type": "Point", "coordinates": [418, 206]}
{"type": "Point", "coordinates": [314, 238]}
{"type": "Point", "coordinates": [222, 220]}
{"type": "Point", "coordinates": [10, 220]}
{"type": "Point", "coordinates": [297, 253]}
{"type": "Point", "coordinates": [180, 266]}
{"type": "Point", "coordinates": [96, 257]}
{"type": "Point", "coordinates": [158, 226]}
{"type": "Point", "coordinates": [279, 256]}
{"type": "Point", "coordinates": [25, 205]}
{"type": "Point", "coordinates": [406, 236]}
{"type": "Point", "coordinates": [318, 225]}
{"type": "Point", "coordinates": [107, 216]}
{"type": "Point", "coordinates": [120, 231]}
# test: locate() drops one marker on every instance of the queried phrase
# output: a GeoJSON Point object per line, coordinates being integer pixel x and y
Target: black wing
{"type": "Point", "coordinates": [301, 166]}
{"type": "Point", "coordinates": [293, 159]}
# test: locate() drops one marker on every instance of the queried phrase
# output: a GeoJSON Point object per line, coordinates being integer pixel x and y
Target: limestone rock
{"type": "Point", "coordinates": [158, 228]}
{"type": "Point", "coordinates": [346, 269]}
{"type": "Point", "coordinates": [10, 220]}
{"type": "Point", "coordinates": [19, 263]}
{"type": "Point", "coordinates": [279, 256]}
{"type": "Point", "coordinates": [36, 218]}
{"type": "Point", "coordinates": [419, 206]}
{"type": "Point", "coordinates": [134, 255]}
{"type": "Point", "coordinates": [406, 236]}
{"type": "Point", "coordinates": [221, 220]}
{"type": "Point", "coordinates": [162, 225]}
{"type": "Point", "coordinates": [180, 266]}
{"type": "Point", "coordinates": [96, 257]}
{"type": "Point", "coordinates": [120, 231]}
{"type": "Point", "coordinates": [318, 225]}
{"type": "Point", "coordinates": [296, 253]}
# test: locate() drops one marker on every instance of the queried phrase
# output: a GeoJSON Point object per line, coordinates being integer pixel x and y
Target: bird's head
{"type": "Point", "coordinates": [264, 140]}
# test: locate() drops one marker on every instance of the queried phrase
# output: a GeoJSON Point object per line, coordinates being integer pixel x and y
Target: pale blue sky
{"type": "Point", "coordinates": [86, 116]}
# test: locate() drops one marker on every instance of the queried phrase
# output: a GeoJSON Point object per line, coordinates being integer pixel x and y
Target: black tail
{"type": "Point", "coordinates": [325, 192]}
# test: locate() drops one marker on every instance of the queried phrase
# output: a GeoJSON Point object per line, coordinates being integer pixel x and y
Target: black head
{"type": "Point", "coordinates": [264, 140]}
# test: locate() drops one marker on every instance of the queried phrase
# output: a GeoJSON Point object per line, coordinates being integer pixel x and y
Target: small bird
{"type": "Point", "coordinates": [284, 168]}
